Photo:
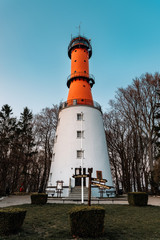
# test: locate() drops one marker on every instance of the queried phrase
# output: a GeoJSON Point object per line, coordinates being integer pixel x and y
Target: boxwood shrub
{"type": "Point", "coordinates": [137, 198]}
{"type": "Point", "coordinates": [39, 198]}
{"type": "Point", "coordinates": [11, 219]}
{"type": "Point", "coordinates": [87, 221]}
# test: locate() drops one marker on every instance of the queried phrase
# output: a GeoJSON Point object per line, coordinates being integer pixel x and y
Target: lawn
{"type": "Point", "coordinates": [122, 222]}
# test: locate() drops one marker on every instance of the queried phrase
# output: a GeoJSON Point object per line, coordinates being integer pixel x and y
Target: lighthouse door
{"type": "Point", "coordinates": [78, 180]}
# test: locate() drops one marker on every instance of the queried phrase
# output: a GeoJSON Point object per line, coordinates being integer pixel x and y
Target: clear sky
{"type": "Point", "coordinates": [34, 36]}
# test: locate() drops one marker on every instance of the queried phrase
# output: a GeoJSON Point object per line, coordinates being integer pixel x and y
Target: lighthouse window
{"type": "Point", "coordinates": [84, 60]}
{"type": "Point", "coordinates": [75, 71]}
{"type": "Point", "coordinates": [75, 60]}
{"type": "Point", "coordinates": [55, 139]}
{"type": "Point", "coordinates": [84, 71]}
{"type": "Point", "coordinates": [99, 174]}
{"type": "Point", "coordinates": [50, 177]}
{"type": "Point", "coordinates": [58, 121]}
{"type": "Point", "coordinates": [79, 116]}
{"type": "Point", "coordinates": [80, 153]}
{"type": "Point", "coordinates": [75, 50]}
{"type": "Point", "coordinates": [80, 134]}
{"type": "Point", "coordinates": [53, 157]}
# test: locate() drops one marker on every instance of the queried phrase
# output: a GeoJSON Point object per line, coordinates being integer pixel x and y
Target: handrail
{"type": "Point", "coordinates": [80, 41]}
{"type": "Point", "coordinates": [80, 101]}
{"type": "Point", "coordinates": [81, 74]}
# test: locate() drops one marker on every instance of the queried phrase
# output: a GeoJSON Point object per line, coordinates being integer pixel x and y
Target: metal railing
{"type": "Point", "coordinates": [80, 74]}
{"type": "Point", "coordinates": [80, 41]}
{"type": "Point", "coordinates": [80, 101]}
{"type": "Point", "coordinates": [88, 77]}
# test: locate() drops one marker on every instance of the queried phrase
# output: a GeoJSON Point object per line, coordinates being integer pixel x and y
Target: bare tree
{"type": "Point", "coordinates": [133, 122]}
{"type": "Point", "coordinates": [44, 128]}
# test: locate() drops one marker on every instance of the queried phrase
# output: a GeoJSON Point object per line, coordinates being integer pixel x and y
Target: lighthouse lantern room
{"type": "Point", "coordinates": [80, 141]}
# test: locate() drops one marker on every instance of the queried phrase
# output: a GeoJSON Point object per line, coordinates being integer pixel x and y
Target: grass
{"type": "Point", "coordinates": [122, 222]}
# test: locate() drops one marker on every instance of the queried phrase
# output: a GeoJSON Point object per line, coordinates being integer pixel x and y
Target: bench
{"type": "Point", "coordinates": [110, 193]}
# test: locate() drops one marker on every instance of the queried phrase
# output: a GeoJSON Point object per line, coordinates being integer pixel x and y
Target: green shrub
{"type": "Point", "coordinates": [138, 198]}
{"type": "Point", "coordinates": [11, 219]}
{"type": "Point", "coordinates": [87, 221]}
{"type": "Point", "coordinates": [39, 198]}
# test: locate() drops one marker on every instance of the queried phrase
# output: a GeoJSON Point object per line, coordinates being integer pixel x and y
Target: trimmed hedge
{"type": "Point", "coordinates": [11, 219]}
{"type": "Point", "coordinates": [87, 221]}
{"type": "Point", "coordinates": [39, 198]}
{"type": "Point", "coordinates": [21, 193]}
{"type": "Point", "coordinates": [137, 198]}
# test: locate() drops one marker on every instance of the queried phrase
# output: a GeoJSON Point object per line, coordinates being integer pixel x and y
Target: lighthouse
{"type": "Point", "coordinates": [80, 141]}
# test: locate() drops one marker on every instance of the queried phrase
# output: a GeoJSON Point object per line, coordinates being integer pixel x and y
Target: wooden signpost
{"type": "Point", "coordinates": [93, 181]}
{"type": "Point", "coordinates": [90, 170]}
{"type": "Point", "coordinates": [99, 180]}
{"type": "Point", "coordinates": [101, 185]}
{"type": "Point", "coordinates": [80, 176]}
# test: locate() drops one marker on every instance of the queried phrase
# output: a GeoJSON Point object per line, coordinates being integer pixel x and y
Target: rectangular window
{"type": "Point", "coordinates": [80, 154]}
{"type": "Point", "coordinates": [74, 101]}
{"type": "Point", "coordinates": [80, 134]}
{"type": "Point", "coordinates": [53, 157]}
{"type": "Point", "coordinates": [50, 177]}
{"type": "Point", "coordinates": [55, 139]}
{"type": "Point", "coordinates": [58, 121]}
{"type": "Point", "coordinates": [99, 174]}
{"type": "Point", "coordinates": [77, 171]}
{"type": "Point", "coordinates": [79, 116]}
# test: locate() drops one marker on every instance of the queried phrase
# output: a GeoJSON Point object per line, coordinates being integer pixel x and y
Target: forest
{"type": "Point", "coordinates": [132, 132]}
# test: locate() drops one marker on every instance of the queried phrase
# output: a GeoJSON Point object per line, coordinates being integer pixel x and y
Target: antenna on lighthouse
{"type": "Point", "coordinates": [79, 27]}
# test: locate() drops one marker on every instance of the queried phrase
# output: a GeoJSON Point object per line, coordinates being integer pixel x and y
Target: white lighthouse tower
{"type": "Point", "coordinates": [80, 141]}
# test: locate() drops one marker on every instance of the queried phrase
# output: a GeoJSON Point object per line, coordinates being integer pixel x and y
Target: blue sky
{"type": "Point", "coordinates": [34, 36]}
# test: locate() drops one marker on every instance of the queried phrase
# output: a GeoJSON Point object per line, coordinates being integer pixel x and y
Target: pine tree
{"type": "Point", "coordinates": [7, 136]}
{"type": "Point", "coordinates": [27, 146]}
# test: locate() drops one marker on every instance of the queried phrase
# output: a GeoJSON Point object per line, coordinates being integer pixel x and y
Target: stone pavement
{"type": "Point", "coordinates": [19, 200]}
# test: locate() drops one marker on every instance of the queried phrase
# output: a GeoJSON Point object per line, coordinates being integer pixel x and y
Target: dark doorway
{"type": "Point", "coordinates": [99, 174]}
{"type": "Point", "coordinates": [78, 180]}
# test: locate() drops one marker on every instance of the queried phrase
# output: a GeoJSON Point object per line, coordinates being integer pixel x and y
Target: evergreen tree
{"type": "Point", "coordinates": [27, 147]}
{"type": "Point", "coordinates": [7, 136]}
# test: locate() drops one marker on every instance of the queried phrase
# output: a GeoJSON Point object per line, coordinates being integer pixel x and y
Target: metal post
{"type": "Point", "coordinates": [82, 194]}
{"type": "Point", "coordinates": [90, 170]}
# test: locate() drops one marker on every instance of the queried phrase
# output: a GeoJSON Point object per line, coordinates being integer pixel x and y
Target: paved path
{"type": "Point", "coordinates": [19, 200]}
{"type": "Point", "coordinates": [14, 200]}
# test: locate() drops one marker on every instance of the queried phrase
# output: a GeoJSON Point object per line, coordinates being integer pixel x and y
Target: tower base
{"type": "Point", "coordinates": [80, 143]}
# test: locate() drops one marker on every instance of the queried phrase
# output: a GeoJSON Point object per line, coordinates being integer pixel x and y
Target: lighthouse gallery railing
{"type": "Point", "coordinates": [79, 101]}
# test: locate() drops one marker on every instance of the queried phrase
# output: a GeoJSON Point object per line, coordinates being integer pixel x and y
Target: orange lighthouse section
{"type": "Point", "coordinates": [80, 81]}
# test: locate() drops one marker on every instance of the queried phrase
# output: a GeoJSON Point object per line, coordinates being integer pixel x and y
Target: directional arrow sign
{"type": "Point", "coordinates": [99, 180]}
{"type": "Point", "coordinates": [100, 185]}
{"type": "Point", "coordinates": [80, 176]}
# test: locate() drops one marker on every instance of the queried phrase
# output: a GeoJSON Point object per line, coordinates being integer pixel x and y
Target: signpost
{"type": "Point", "coordinates": [81, 176]}
{"type": "Point", "coordinates": [59, 188]}
{"type": "Point", "coordinates": [99, 180]}
{"type": "Point", "coordinates": [92, 181]}
{"type": "Point", "coordinates": [90, 170]}
{"type": "Point", "coordinates": [101, 185]}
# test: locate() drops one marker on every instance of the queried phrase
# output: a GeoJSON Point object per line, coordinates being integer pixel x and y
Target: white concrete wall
{"type": "Point", "coordinates": [65, 148]}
